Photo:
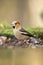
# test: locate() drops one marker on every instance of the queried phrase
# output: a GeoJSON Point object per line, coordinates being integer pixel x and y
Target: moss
{"type": "Point", "coordinates": [36, 31]}
{"type": "Point", "coordinates": [6, 29]}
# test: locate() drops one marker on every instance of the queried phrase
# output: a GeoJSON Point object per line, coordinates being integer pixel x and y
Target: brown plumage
{"type": "Point", "coordinates": [19, 32]}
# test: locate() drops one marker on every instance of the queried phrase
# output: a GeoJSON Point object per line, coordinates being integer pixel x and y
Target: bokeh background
{"type": "Point", "coordinates": [29, 12]}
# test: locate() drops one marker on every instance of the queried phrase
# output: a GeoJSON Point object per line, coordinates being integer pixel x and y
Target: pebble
{"type": "Point", "coordinates": [1, 42]}
{"type": "Point", "coordinates": [32, 42]}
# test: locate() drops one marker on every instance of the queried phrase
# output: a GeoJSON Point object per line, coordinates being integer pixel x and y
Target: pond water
{"type": "Point", "coordinates": [21, 56]}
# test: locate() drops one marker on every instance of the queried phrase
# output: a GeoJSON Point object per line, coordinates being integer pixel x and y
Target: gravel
{"type": "Point", "coordinates": [13, 42]}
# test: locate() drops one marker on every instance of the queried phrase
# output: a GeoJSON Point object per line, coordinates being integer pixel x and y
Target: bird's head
{"type": "Point", "coordinates": [16, 25]}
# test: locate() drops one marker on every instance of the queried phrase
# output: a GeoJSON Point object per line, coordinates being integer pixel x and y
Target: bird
{"type": "Point", "coordinates": [19, 32]}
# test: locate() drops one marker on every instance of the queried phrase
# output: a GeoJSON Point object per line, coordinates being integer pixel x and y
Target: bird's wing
{"type": "Point", "coordinates": [23, 32]}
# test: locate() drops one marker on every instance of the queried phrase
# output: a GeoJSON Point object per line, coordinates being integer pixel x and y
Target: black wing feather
{"type": "Point", "coordinates": [26, 34]}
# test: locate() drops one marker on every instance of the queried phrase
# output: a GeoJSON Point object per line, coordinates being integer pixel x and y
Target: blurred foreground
{"type": "Point", "coordinates": [21, 56]}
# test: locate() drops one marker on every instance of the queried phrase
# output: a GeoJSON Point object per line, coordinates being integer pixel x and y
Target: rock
{"type": "Point", "coordinates": [34, 40]}
{"type": "Point", "coordinates": [1, 42]}
{"type": "Point", "coordinates": [4, 38]}
{"type": "Point", "coordinates": [19, 43]}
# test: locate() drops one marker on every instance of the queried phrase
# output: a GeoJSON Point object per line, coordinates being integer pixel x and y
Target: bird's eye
{"type": "Point", "coordinates": [13, 26]}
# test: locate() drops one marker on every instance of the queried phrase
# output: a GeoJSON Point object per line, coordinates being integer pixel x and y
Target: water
{"type": "Point", "coordinates": [21, 56]}
{"type": "Point", "coordinates": [28, 56]}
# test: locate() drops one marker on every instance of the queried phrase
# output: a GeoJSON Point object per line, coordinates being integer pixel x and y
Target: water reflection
{"type": "Point", "coordinates": [28, 56]}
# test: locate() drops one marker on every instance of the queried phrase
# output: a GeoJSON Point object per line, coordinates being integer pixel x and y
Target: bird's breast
{"type": "Point", "coordinates": [19, 36]}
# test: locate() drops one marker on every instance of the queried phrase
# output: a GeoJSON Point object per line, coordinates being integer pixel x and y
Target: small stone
{"type": "Point", "coordinates": [1, 42]}
{"type": "Point", "coordinates": [33, 46]}
{"type": "Point", "coordinates": [34, 40]}
{"type": "Point", "coordinates": [4, 38]}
